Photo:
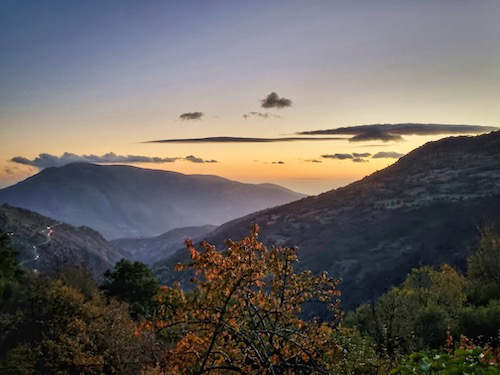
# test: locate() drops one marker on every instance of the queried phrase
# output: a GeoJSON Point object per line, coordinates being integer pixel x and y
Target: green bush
{"type": "Point", "coordinates": [477, 361]}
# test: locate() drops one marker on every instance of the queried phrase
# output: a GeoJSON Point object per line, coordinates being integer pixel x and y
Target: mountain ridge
{"type": "Point", "coordinates": [124, 201]}
{"type": "Point", "coordinates": [46, 245]}
{"type": "Point", "coordinates": [423, 209]}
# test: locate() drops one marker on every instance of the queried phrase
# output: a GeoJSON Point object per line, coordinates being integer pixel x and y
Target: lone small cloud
{"type": "Point", "coordinates": [191, 116]}
{"type": "Point", "coordinates": [274, 101]}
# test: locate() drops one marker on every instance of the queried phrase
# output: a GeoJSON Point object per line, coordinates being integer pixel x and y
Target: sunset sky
{"type": "Point", "coordinates": [93, 77]}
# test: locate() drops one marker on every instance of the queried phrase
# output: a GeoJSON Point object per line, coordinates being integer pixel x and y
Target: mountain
{"type": "Point", "coordinates": [152, 249]}
{"type": "Point", "coordinates": [426, 209]}
{"type": "Point", "coordinates": [124, 201]}
{"type": "Point", "coordinates": [47, 245]}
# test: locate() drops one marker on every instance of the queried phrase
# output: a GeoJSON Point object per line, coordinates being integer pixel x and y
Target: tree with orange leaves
{"type": "Point", "coordinates": [244, 315]}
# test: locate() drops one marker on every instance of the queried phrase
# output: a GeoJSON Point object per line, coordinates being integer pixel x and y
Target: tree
{"type": "Point", "coordinates": [9, 269]}
{"type": "Point", "coordinates": [58, 330]}
{"type": "Point", "coordinates": [244, 315]}
{"type": "Point", "coordinates": [133, 283]}
{"type": "Point", "coordinates": [415, 315]}
{"type": "Point", "coordinates": [483, 268]}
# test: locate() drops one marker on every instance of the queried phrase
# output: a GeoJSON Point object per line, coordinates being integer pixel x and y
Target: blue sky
{"type": "Point", "coordinates": [96, 77]}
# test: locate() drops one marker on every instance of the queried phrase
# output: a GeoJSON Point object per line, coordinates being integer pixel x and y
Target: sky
{"type": "Point", "coordinates": [93, 77]}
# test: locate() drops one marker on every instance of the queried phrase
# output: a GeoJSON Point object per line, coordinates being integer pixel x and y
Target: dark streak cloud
{"type": "Point", "coordinates": [394, 132]}
{"type": "Point", "coordinates": [47, 160]}
{"type": "Point", "coordinates": [274, 101]}
{"type": "Point", "coordinates": [387, 155]}
{"type": "Point", "coordinates": [359, 160]}
{"type": "Point", "coordinates": [243, 140]}
{"type": "Point", "coordinates": [191, 116]}
{"type": "Point", "coordinates": [375, 135]}
{"type": "Point", "coordinates": [278, 162]}
{"type": "Point", "coordinates": [264, 115]}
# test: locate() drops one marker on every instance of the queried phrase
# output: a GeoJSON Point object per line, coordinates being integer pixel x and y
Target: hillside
{"type": "Point", "coordinates": [152, 249]}
{"type": "Point", "coordinates": [424, 209]}
{"type": "Point", "coordinates": [46, 245]}
{"type": "Point", "coordinates": [124, 201]}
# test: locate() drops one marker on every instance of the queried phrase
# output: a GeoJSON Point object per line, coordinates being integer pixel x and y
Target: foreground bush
{"type": "Point", "coordinates": [477, 361]}
{"type": "Point", "coordinates": [56, 329]}
{"type": "Point", "coordinates": [244, 315]}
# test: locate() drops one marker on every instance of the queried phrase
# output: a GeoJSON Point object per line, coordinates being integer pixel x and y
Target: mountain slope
{"type": "Point", "coordinates": [151, 249]}
{"type": "Point", "coordinates": [424, 209]}
{"type": "Point", "coordinates": [47, 245]}
{"type": "Point", "coordinates": [123, 201]}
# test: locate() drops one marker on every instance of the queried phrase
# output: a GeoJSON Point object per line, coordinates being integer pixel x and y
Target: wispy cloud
{"type": "Point", "coordinates": [357, 157]}
{"type": "Point", "coordinates": [273, 100]}
{"type": "Point", "coordinates": [313, 161]}
{"type": "Point", "coordinates": [225, 139]}
{"type": "Point", "coordinates": [395, 132]}
{"type": "Point", "coordinates": [264, 115]}
{"type": "Point", "coordinates": [195, 159]}
{"type": "Point", "coordinates": [191, 116]}
{"type": "Point", "coordinates": [387, 155]}
{"type": "Point", "coordinates": [47, 160]}
{"type": "Point", "coordinates": [361, 155]}
{"type": "Point", "coordinates": [337, 156]}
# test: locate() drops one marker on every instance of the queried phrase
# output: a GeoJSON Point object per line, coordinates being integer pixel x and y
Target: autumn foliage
{"type": "Point", "coordinates": [244, 315]}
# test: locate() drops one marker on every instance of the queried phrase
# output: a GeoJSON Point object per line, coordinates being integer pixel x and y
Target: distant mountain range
{"type": "Point", "coordinates": [152, 249]}
{"type": "Point", "coordinates": [124, 201]}
{"type": "Point", "coordinates": [46, 245]}
{"type": "Point", "coordinates": [426, 209]}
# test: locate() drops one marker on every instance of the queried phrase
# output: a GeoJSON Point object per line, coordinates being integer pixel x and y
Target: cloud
{"type": "Point", "coordinates": [264, 115]}
{"type": "Point", "coordinates": [313, 161]}
{"type": "Point", "coordinates": [10, 171]}
{"type": "Point", "coordinates": [375, 135]}
{"type": "Point", "coordinates": [194, 159]}
{"type": "Point", "coordinates": [191, 116]}
{"type": "Point", "coordinates": [278, 162]}
{"type": "Point", "coordinates": [362, 155]}
{"type": "Point", "coordinates": [387, 155]}
{"type": "Point", "coordinates": [243, 140]}
{"type": "Point", "coordinates": [395, 132]}
{"type": "Point", "coordinates": [11, 174]}
{"type": "Point", "coordinates": [354, 157]}
{"type": "Point", "coordinates": [337, 156]}
{"type": "Point", "coordinates": [47, 160]}
{"type": "Point", "coordinates": [274, 101]}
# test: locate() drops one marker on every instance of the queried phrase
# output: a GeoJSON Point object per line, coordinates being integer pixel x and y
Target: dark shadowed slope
{"type": "Point", "coordinates": [124, 201]}
{"type": "Point", "coordinates": [47, 245]}
{"type": "Point", "coordinates": [424, 209]}
{"type": "Point", "coordinates": [151, 249]}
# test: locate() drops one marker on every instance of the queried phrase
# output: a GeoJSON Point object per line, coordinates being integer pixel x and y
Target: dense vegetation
{"type": "Point", "coordinates": [249, 312]}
